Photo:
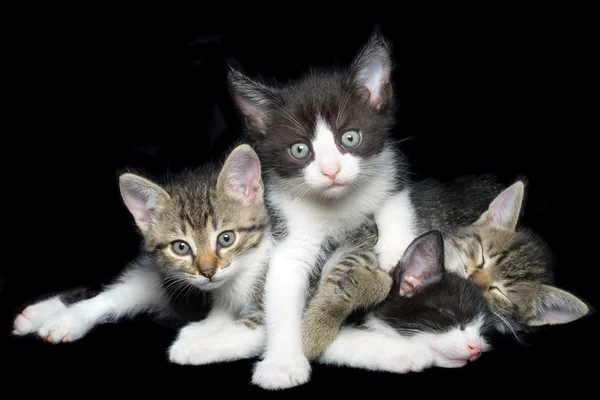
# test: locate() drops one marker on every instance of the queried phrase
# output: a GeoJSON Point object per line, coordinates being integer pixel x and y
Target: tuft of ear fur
{"type": "Point", "coordinates": [372, 68]}
{"type": "Point", "coordinates": [240, 176]}
{"type": "Point", "coordinates": [252, 99]}
{"type": "Point", "coordinates": [421, 265]}
{"type": "Point", "coordinates": [505, 210]}
{"type": "Point", "coordinates": [556, 306]}
{"type": "Point", "coordinates": [143, 198]}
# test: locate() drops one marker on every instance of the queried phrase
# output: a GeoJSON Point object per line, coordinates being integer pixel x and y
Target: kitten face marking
{"type": "Point", "coordinates": [331, 171]}
{"type": "Point", "coordinates": [512, 267]}
{"type": "Point", "coordinates": [201, 234]}
{"type": "Point", "coordinates": [434, 307]}
{"type": "Point", "coordinates": [320, 134]}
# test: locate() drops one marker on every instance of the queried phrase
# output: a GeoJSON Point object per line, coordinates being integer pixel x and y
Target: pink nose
{"type": "Point", "coordinates": [474, 348]}
{"type": "Point", "coordinates": [330, 171]}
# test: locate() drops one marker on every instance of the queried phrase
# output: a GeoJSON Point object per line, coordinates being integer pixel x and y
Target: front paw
{"type": "Point", "coordinates": [410, 359]}
{"type": "Point", "coordinates": [32, 317]}
{"type": "Point", "coordinates": [66, 326]}
{"type": "Point", "coordinates": [360, 286]}
{"type": "Point", "coordinates": [192, 350]}
{"type": "Point", "coordinates": [277, 374]}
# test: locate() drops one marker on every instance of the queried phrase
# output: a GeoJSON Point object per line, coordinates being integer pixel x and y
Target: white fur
{"type": "Point", "coordinates": [138, 289]}
{"type": "Point", "coordinates": [396, 225]}
{"type": "Point", "coordinates": [378, 347]}
{"type": "Point", "coordinates": [328, 160]}
{"type": "Point", "coordinates": [32, 316]}
{"type": "Point", "coordinates": [217, 338]}
{"type": "Point", "coordinates": [375, 351]}
{"type": "Point", "coordinates": [295, 258]}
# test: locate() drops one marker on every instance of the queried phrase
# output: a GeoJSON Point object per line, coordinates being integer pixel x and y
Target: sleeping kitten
{"type": "Point", "coordinates": [432, 317]}
{"type": "Point", "coordinates": [324, 142]}
{"type": "Point", "coordinates": [478, 217]}
{"type": "Point", "coordinates": [205, 233]}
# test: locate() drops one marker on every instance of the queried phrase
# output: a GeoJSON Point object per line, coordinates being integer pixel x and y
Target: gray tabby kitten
{"type": "Point", "coordinates": [205, 232]}
{"type": "Point", "coordinates": [478, 218]}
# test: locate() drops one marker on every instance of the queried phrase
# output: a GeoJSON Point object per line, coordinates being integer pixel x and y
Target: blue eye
{"type": "Point", "coordinates": [300, 151]}
{"type": "Point", "coordinates": [350, 139]}
{"type": "Point", "coordinates": [181, 248]}
{"type": "Point", "coordinates": [226, 239]}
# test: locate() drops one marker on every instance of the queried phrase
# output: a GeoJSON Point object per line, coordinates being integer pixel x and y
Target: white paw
{"type": "Point", "coordinates": [276, 374]}
{"type": "Point", "coordinates": [193, 350]}
{"type": "Point", "coordinates": [66, 326]}
{"type": "Point", "coordinates": [411, 358]}
{"type": "Point", "coordinates": [32, 316]}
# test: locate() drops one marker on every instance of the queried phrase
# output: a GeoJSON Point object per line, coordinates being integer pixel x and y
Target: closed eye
{"type": "Point", "coordinates": [499, 291]}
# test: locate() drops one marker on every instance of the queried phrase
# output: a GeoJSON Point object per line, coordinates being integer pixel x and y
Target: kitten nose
{"type": "Point", "coordinates": [474, 348]}
{"type": "Point", "coordinates": [330, 171]}
{"type": "Point", "coordinates": [208, 272]}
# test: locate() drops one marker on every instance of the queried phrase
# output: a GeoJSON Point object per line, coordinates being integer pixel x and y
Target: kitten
{"type": "Point", "coordinates": [329, 165]}
{"type": "Point", "coordinates": [432, 317]}
{"type": "Point", "coordinates": [206, 233]}
{"type": "Point", "coordinates": [478, 217]}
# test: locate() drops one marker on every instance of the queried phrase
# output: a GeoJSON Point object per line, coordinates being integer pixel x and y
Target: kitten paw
{"type": "Point", "coordinates": [30, 319]}
{"type": "Point", "coordinates": [361, 286]}
{"type": "Point", "coordinates": [278, 374]}
{"type": "Point", "coordinates": [410, 359]}
{"type": "Point", "coordinates": [192, 350]}
{"type": "Point", "coordinates": [66, 326]}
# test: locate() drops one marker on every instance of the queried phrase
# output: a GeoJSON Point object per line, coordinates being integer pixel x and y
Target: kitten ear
{"type": "Point", "coordinates": [240, 176]}
{"type": "Point", "coordinates": [505, 210]}
{"type": "Point", "coordinates": [372, 68]}
{"type": "Point", "coordinates": [557, 306]}
{"type": "Point", "coordinates": [422, 264]}
{"type": "Point", "coordinates": [143, 199]}
{"type": "Point", "coordinates": [252, 98]}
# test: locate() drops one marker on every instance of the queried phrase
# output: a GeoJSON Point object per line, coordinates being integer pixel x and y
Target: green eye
{"type": "Point", "coordinates": [226, 239]}
{"type": "Point", "coordinates": [181, 248]}
{"type": "Point", "coordinates": [300, 151]}
{"type": "Point", "coordinates": [350, 139]}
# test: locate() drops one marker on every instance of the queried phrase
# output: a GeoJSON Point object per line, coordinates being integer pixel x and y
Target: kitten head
{"type": "Point", "coordinates": [513, 267]}
{"type": "Point", "coordinates": [436, 307]}
{"type": "Point", "coordinates": [203, 226]}
{"type": "Point", "coordinates": [326, 134]}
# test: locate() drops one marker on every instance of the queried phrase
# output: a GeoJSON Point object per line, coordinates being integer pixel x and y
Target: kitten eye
{"type": "Point", "coordinates": [300, 151]}
{"type": "Point", "coordinates": [226, 239]}
{"type": "Point", "coordinates": [181, 248]}
{"type": "Point", "coordinates": [350, 139]}
{"type": "Point", "coordinates": [449, 313]}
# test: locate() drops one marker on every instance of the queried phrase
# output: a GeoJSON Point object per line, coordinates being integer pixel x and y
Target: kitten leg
{"type": "Point", "coordinates": [374, 351]}
{"type": "Point", "coordinates": [395, 224]}
{"type": "Point", "coordinates": [32, 316]}
{"type": "Point", "coordinates": [137, 290]}
{"type": "Point", "coordinates": [284, 364]}
{"type": "Point", "coordinates": [355, 282]}
{"type": "Point", "coordinates": [218, 338]}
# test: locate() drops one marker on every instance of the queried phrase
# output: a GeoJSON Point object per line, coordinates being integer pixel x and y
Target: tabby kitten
{"type": "Point", "coordinates": [329, 165]}
{"type": "Point", "coordinates": [206, 233]}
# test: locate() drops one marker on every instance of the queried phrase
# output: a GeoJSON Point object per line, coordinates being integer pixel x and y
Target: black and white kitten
{"type": "Point", "coordinates": [206, 234]}
{"type": "Point", "coordinates": [324, 142]}
{"type": "Point", "coordinates": [432, 317]}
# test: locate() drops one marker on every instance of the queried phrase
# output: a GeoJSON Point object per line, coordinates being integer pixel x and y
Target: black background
{"type": "Point", "coordinates": [476, 95]}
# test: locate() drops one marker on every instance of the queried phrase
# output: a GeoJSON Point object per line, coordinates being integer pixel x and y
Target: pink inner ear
{"type": "Point", "coordinates": [409, 283]}
{"type": "Point", "coordinates": [139, 209]}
